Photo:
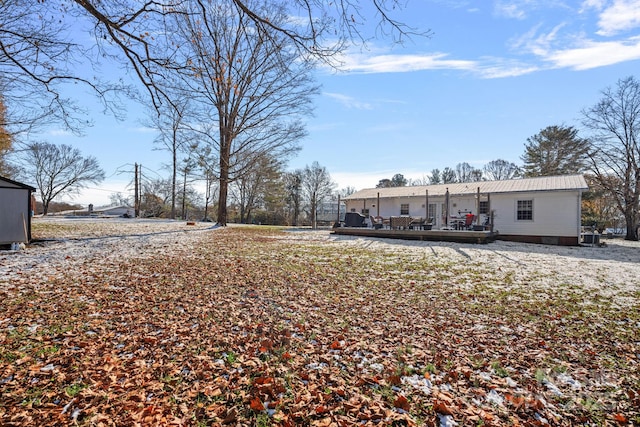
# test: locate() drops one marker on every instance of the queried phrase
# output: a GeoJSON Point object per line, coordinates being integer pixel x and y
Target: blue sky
{"type": "Point", "coordinates": [492, 74]}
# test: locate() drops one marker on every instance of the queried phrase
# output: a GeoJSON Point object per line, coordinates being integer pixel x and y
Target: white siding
{"type": "Point", "coordinates": [554, 214]}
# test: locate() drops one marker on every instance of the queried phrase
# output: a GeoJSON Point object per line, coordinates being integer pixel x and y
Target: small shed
{"type": "Point", "coordinates": [15, 211]}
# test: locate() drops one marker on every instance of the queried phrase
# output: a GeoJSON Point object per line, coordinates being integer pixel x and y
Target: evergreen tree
{"type": "Point", "coordinates": [555, 150]}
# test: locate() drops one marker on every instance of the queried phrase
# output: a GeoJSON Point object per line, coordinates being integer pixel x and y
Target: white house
{"type": "Point", "coordinates": [537, 210]}
{"type": "Point", "coordinates": [15, 211]}
{"type": "Point", "coordinates": [122, 210]}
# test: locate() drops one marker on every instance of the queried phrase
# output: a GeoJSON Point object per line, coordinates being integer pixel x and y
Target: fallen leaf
{"type": "Point", "coordinates": [256, 404]}
{"type": "Point", "coordinates": [402, 403]}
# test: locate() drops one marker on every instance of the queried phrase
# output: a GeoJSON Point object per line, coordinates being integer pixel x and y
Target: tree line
{"type": "Point", "coordinates": [268, 195]}
{"type": "Point", "coordinates": [228, 82]}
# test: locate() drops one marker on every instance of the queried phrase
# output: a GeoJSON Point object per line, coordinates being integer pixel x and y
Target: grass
{"type": "Point", "coordinates": [74, 389]}
{"type": "Point", "coordinates": [160, 336]}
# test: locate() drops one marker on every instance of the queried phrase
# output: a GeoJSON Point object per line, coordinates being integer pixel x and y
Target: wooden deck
{"type": "Point", "coordinates": [462, 236]}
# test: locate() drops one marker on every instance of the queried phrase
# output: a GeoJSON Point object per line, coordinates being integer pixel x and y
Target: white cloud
{"type": "Point", "coordinates": [592, 4]}
{"type": "Point", "coordinates": [621, 16]}
{"type": "Point", "coordinates": [485, 68]}
{"type": "Point", "coordinates": [60, 132]}
{"type": "Point", "coordinates": [521, 9]}
{"type": "Point", "coordinates": [575, 51]}
{"type": "Point", "coordinates": [498, 69]}
{"type": "Point", "coordinates": [404, 63]}
{"type": "Point", "coordinates": [349, 102]}
{"type": "Point", "coordinates": [591, 54]}
{"type": "Point", "coordinates": [144, 129]}
{"type": "Point", "coordinates": [537, 44]}
{"type": "Point", "coordinates": [510, 10]}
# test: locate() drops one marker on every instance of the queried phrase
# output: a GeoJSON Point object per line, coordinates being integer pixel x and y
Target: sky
{"type": "Point", "coordinates": [491, 74]}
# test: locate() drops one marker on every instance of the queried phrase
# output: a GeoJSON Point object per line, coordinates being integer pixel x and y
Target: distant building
{"type": "Point", "coordinates": [15, 211]}
{"type": "Point", "coordinates": [327, 211]}
{"type": "Point", "coordinates": [123, 211]}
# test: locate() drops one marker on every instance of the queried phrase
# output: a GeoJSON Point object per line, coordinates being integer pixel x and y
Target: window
{"type": "Point", "coordinates": [525, 210]}
{"type": "Point", "coordinates": [484, 207]}
{"type": "Point", "coordinates": [432, 211]}
{"type": "Point", "coordinates": [404, 209]}
{"type": "Point", "coordinates": [365, 212]}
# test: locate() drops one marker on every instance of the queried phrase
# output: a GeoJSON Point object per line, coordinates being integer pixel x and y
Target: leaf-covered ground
{"type": "Point", "coordinates": [246, 326]}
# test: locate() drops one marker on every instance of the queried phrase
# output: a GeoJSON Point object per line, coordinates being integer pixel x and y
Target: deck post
{"type": "Point", "coordinates": [490, 212]}
{"type": "Point", "coordinates": [478, 208]}
{"type": "Point", "coordinates": [426, 206]}
{"type": "Point", "coordinates": [446, 203]}
{"type": "Point", "coordinates": [378, 204]}
{"type": "Point", "coordinates": [338, 221]}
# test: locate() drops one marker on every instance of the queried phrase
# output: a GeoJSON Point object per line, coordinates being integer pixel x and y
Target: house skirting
{"type": "Point", "coordinates": [544, 240]}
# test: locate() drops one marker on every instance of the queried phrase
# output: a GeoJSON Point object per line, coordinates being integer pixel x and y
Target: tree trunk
{"type": "Point", "coordinates": [222, 197]}
{"type": "Point", "coordinates": [207, 195]}
{"type": "Point", "coordinates": [632, 227]}
{"type": "Point", "coordinates": [314, 213]}
{"type": "Point", "coordinates": [225, 150]}
{"type": "Point", "coordinates": [184, 195]}
{"type": "Point", "coordinates": [174, 183]}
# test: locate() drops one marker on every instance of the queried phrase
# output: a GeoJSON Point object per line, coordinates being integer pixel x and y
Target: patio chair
{"type": "Point", "coordinates": [428, 223]}
{"type": "Point", "coordinates": [416, 223]}
{"type": "Point", "coordinates": [376, 222]}
{"type": "Point", "coordinates": [468, 221]}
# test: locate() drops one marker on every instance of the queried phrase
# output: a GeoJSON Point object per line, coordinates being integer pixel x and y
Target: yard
{"type": "Point", "coordinates": [133, 322]}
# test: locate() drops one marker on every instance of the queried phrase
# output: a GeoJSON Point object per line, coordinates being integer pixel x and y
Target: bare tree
{"type": "Point", "coordinates": [250, 190]}
{"type": "Point", "coordinates": [155, 196]}
{"type": "Point", "coordinates": [40, 52]}
{"type": "Point", "coordinates": [326, 28]}
{"type": "Point", "coordinates": [252, 88]}
{"type": "Point", "coordinates": [498, 170]}
{"type": "Point", "coordinates": [205, 160]}
{"type": "Point", "coordinates": [174, 135]}
{"type": "Point", "coordinates": [599, 206]}
{"type": "Point", "coordinates": [317, 186]}
{"type": "Point", "coordinates": [59, 170]}
{"type": "Point", "coordinates": [424, 180]}
{"type": "Point", "coordinates": [615, 148]}
{"type": "Point", "coordinates": [347, 191]}
{"type": "Point", "coordinates": [467, 173]}
{"type": "Point", "coordinates": [39, 57]}
{"type": "Point", "coordinates": [293, 189]}
{"type": "Point", "coordinates": [448, 176]}
{"type": "Point", "coordinates": [119, 199]}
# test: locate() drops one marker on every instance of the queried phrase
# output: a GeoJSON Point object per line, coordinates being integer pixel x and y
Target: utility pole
{"type": "Point", "coordinates": [139, 188]}
{"type": "Point", "coordinates": [136, 202]}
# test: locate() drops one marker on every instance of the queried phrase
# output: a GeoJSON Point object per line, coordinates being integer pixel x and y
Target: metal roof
{"type": "Point", "coordinates": [543, 183]}
{"type": "Point", "coordinates": [9, 183]}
